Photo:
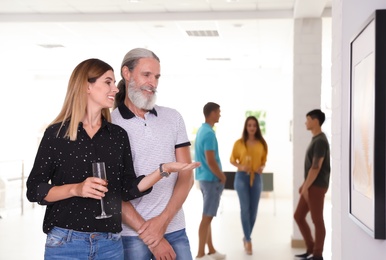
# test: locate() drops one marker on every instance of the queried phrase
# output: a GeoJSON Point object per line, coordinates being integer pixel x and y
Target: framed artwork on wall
{"type": "Point", "coordinates": [368, 127]}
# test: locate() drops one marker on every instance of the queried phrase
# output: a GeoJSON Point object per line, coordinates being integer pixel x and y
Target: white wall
{"type": "Point", "coordinates": [34, 83]}
{"type": "Point", "coordinates": [237, 91]}
{"type": "Point", "coordinates": [348, 240]}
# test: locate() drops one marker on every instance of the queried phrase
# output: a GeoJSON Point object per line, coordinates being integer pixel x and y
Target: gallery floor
{"type": "Point", "coordinates": [22, 237]}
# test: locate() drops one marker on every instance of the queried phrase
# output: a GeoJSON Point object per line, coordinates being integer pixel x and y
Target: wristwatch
{"type": "Point", "coordinates": [162, 172]}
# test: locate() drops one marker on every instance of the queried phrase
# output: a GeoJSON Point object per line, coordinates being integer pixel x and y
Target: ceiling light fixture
{"type": "Point", "coordinates": [219, 59]}
{"type": "Point", "coordinates": [203, 33]}
{"type": "Point", "coordinates": [51, 46]}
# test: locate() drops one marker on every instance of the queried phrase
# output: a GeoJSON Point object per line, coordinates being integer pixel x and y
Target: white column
{"type": "Point", "coordinates": [306, 97]}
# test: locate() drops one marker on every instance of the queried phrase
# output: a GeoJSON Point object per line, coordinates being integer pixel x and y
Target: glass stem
{"type": "Point", "coordinates": [103, 207]}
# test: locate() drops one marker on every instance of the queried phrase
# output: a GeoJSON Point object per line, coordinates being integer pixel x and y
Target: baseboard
{"type": "Point", "coordinates": [298, 243]}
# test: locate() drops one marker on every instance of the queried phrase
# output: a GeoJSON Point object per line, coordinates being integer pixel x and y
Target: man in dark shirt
{"type": "Point", "coordinates": [314, 187]}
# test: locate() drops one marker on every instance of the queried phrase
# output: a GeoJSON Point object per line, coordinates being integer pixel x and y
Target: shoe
{"type": "Point", "coordinates": [205, 257]}
{"type": "Point", "coordinates": [248, 247]}
{"type": "Point", "coordinates": [217, 256]}
{"type": "Point", "coordinates": [304, 256]}
{"type": "Point", "coordinates": [314, 258]}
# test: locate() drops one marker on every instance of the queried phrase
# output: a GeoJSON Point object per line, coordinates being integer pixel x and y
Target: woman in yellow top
{"type": "Point", "coordinates": [249, 155]}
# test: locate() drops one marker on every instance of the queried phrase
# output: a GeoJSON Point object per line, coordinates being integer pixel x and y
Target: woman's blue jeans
{"type": "Point", "coordinates": [65, 244]}
{"type": "Point", "coordinates": [249, 198]}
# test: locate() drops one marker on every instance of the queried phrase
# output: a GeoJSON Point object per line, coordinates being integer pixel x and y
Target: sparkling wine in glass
{"type": "Point", "coordinates": [99, 171]}
{"type": "Point", "coordinates": [248, 161]}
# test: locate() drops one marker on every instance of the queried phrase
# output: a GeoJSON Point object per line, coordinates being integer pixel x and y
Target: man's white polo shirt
{"type": "Point", "coordinates": [153, 140]}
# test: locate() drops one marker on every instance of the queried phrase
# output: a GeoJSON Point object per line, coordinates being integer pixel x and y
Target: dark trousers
{"type": "Point", "coordinates": [315, 207]}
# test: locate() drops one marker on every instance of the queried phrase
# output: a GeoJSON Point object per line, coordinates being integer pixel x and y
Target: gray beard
{"type": "Point", "coordinates": [138, 99]}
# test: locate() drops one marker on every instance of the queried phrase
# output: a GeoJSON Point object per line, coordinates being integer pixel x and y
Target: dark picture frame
{"type": "Point", "coordinates": [367, 202]}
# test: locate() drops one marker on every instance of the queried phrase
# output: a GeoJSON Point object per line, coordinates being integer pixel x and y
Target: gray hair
{"type": "Point", "coordinates": [132, 57]}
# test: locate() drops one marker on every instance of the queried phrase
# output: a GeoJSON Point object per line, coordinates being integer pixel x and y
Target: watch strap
{"type": "Point", "coordinates": [162, 172]}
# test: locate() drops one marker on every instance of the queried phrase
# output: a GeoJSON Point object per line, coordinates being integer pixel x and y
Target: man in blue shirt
{"type": "Point", "coordinates": [211, 179]}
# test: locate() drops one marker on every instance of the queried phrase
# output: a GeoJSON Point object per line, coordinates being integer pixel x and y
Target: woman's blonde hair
{"type": "Point", "coordinates": [75, 102]}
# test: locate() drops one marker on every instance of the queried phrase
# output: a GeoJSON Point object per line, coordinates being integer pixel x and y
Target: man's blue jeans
{"type": "Point", "coordinates": [249, 198]}
{"type": "Point", "coordinates": [135, 249]}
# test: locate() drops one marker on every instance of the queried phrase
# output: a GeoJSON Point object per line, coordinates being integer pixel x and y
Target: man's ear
{"type": "Point", "coordinates": [126, 73]}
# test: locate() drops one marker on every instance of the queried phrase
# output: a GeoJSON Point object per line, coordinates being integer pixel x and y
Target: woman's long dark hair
{"type": "Point", "coordinates": [258, 135]}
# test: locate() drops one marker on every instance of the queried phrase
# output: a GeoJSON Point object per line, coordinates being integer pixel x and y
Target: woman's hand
{"type": "Point", "coordinates": [91, 187]}
{"type": "Point", "coordinates": [180, 166]}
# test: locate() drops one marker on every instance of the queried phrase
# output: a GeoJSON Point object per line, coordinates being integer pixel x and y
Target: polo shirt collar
{"type": "Point", "coordinates": [126, 113]}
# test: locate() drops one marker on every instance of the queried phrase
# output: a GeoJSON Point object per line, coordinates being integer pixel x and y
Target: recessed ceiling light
{"type": "Point", "coordinates": [203, 33]}
{"type": "Point", "coordinates": [51, 46]}
{"type": "Point", "coordinates": [219, 59]}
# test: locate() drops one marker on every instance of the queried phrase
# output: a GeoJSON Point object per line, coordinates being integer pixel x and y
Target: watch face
{"type": "Point", "coordinates": [164, 174]}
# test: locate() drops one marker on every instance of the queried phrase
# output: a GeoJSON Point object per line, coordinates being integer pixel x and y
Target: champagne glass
{"type": "Point", "coordinates": [248, 161]}
{"type": "Point", "coordinates": [99, 171]}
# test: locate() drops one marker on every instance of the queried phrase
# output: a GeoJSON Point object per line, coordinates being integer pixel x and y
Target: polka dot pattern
{"type": "Point", "coordinates": [60, 161]}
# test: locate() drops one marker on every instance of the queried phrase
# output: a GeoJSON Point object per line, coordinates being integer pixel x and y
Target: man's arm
{"type": "Point", "coordinates": [182, 188]}
{"type": "Point", "coordinates": [312, 174]}
{"type": "Point", "coordinates": [153, 230]}
{"type": "Point", "coordinates": [213, 166]}
{"type": "Point", "coordinates": [131, 217]}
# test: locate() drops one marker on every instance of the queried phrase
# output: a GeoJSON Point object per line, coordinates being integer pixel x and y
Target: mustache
{"type": "Point", "coordinates": [148, 88]}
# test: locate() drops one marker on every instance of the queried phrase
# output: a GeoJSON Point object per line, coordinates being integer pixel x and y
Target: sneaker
{"type": "Point", "coordinates": [217, 256]}
{"type": "Point", "coordinates": [205, 257]}
{"type": "Point", "coordinates": [304, 256]}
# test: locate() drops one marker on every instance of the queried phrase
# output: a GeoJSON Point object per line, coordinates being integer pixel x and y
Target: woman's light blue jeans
{"type": "Point", "coordinates": [249, 198]}
{"type": "Point", "coordinates": [66, 244]}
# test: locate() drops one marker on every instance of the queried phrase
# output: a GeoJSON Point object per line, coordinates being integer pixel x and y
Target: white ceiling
{"type": "Point", "coordinates": [251, 33]}
{"type": "Point", "coordinates": [301, 7]}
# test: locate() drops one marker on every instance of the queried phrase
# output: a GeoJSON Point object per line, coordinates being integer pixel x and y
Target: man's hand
{"type": "Point", "coordinates": [163, 251]}
{"type": "Point", "coordinates": [223, 178]}
{"type": "Point", "coordinates": [304, 193]}
{"type": "Point", "coordinates": [152, 231]}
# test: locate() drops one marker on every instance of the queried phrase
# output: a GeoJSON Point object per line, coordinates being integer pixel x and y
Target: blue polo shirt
{"type": "Point", "coordinates": [206, 141]}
